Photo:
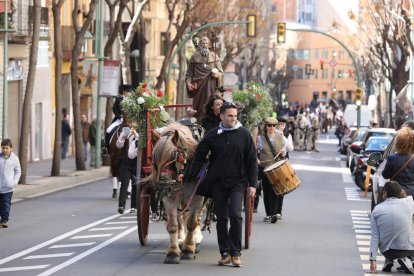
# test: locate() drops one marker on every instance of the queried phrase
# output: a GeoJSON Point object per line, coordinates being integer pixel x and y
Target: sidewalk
{"type": "Point", "coordinates": [39, 181]}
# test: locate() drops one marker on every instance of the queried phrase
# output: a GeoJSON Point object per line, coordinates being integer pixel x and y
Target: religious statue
{"type": "Point", "coordinates": [204, 76]}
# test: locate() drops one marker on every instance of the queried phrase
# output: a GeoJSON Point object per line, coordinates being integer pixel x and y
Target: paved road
{"type": "Point", "coordinates": [77, 231]}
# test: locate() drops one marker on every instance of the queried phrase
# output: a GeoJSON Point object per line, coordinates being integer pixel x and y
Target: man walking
{"type": "Point", "coordinates": [85, 125]}
{"type": "Point", "coordinates": [391, 229]}
{"type": "Point", "coordinates": [66, 132]}
{"type": "Point", "coordinates": [232, 168]}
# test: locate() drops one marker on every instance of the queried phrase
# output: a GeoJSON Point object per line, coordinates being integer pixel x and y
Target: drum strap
{"type": "Point", "coordinates": [270, 145]}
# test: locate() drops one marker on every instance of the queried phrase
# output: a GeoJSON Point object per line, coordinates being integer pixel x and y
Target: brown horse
{"type": "Point", "coordinates": [175, 146]}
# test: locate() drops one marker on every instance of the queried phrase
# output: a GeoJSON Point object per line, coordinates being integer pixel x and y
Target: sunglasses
{"type": "Point", "coordinates": [270, 125]}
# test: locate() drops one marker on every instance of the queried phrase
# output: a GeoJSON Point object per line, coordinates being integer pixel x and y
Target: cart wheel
{"type": "Point", "coordinates": [248, 218]}
{"type": "Point", "coordinates": [143, 205]}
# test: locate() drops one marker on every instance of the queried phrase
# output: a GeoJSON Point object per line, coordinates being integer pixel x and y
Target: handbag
{"type": "Point", "coordinates": [402, 167]}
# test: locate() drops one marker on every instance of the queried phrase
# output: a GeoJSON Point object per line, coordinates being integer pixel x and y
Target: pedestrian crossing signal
{"type": "Point", "coordinates": [358, 96]}
{"type": "Point", "coordinates": [281, 32]}
{"type": "Point", "coordinates": [251, 26]}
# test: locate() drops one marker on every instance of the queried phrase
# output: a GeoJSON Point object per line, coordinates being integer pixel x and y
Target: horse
{"type": "Point", "coordinates": [115, 153]}
{"type": "Point", "coordinates": [181, 203]}
{"type": "Point", "coordinates": [312, 134]}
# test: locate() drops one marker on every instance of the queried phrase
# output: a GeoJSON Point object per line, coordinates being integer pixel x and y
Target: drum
{"type": "Point", "coordinates": [282, 177]}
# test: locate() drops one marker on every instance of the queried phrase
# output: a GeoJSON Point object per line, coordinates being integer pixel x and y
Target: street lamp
{"type": "Point", "coordinates": [135, 55]}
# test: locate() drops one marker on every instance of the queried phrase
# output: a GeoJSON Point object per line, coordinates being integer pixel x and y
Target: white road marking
{"type": "Point", "coordinates": [20, 268]}
{"type": "Point", "coordinates": [363, 249]}
{"type": "Point", "coordinates": [108, 228]}
{"type": "Point", "coordinates": [359, 226]}
{"type": "Point", "coordinates": [363, 237]}
{"type": "Point", "coordinates": [363, 243]}
{"type": "Point", "coordinates": [90, 236]}
{"type": "Point", "coordinates": [325, 169]}
{"type": "Point", "coordinates": [360, 218]}
{"type": "Point", "coordinates": [45, 256]}
{"type": "Point", "coordinates": [362, 231]}
{"type": "Point", "coordinates": [359, 212]}
{"type": "Point", "coordinates": [361, 222]}
{"type": "Point", "coordinates": [72, 245]}
{"type": "Point", "coordinates": [121, 222]}
{"type": "Point", "coordinates": [61, 237]}
{"type": "Point", "coordinates": [88, 252]}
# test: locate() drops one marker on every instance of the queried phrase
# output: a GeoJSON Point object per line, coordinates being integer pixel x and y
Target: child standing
{"type": "Point", "coordinates": [9, 177]}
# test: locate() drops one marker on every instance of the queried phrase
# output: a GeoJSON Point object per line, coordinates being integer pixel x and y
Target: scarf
{"type": "Point", "coordinates": [222, 128]}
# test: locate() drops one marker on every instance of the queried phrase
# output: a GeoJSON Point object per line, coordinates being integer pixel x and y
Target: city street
{"type": "Point", "coordinates": [324, 231]}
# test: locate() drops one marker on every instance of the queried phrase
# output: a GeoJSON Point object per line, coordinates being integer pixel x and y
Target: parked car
{"type": "Point", "coordinates": [346, 140]}
{"type": "Point", "coordinates": [374, 144]}
{"type": "Point", "coordinates": [359, 146]}
{"type": "Point", "coordinates": [357, 137]}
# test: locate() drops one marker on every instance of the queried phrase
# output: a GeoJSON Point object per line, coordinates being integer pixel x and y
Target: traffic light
{"type": "Point", "coordinates": [321, 62]}
{"type": "Point", "coordinates": [307, 69]}
{"type": "Point", "coordinates": [340, 74]}
{"type": "Point", "coordinates": [281, 32]}
{"type": "Point", "coordinates": [251, 25]}
{"type": "Point", "coordinates": [358, 96]}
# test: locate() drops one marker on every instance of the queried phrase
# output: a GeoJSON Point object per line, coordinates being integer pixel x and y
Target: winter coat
{"type": "Point", "coordinates": [9, 172]}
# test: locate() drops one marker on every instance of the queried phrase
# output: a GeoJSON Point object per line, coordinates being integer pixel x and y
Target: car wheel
{"type": "Point", "coordinates": [359, 181]}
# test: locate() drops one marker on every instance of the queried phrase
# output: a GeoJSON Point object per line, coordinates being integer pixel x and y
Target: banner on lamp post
{"type": "Point", "coordinates": [110, 79]}
{"type": "Point", "coordinates": [89, 77]}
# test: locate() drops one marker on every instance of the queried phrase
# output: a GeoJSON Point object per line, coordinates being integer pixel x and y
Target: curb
{"type": "Point", "coordinates": [52, 184]}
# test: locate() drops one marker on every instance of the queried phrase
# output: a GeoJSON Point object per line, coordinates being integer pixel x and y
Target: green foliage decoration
{"type": "Point", "coordinates": [135, 106]}
{"type": "Point", "coordinates": [255, 102]}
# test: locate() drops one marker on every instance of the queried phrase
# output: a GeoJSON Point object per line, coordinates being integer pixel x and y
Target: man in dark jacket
{"type": "Point", "coordinates": [66, 132]}
{"type": "Point", "coordinates": [232, 167]}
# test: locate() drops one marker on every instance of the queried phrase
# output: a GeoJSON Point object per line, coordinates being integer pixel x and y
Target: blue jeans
{"type": "Point", "coordinates": [65, 144]}
{"type": "Point", "coordinates": [5, 203]}
{"type": "Point", "coordinates": [85, 145]}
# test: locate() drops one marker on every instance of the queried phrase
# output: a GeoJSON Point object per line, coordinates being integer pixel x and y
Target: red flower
{"type": "Point", "coordinates": [160, 94]}
{"type": "Point", "coordinates": [258, 96]}
{"type": "Point", "coordinates": [144, 85]}
{"type": "Point", "coordinates": [144, 90]}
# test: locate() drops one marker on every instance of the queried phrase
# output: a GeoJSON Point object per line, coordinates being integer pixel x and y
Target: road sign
{"type": "Point", "coordinates": [332, 62]}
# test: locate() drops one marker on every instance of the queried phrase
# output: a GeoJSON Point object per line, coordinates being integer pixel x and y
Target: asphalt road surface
{"type": "Point", "coordinates": [324, 231]}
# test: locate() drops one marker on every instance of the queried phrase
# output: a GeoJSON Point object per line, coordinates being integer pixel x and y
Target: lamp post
{"type": "Point", "coordinates": [6, 31]}
{"type": "Point", "coordinates": [411, 79]}
{"type": "Point", "coordinates": [135, 55]}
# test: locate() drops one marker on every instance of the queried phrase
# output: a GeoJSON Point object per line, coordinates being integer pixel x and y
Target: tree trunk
{"type": "Point", "coordinates": [28, 95]}
{"type": "Point", "coordinates": [79, 40]}
{"type": "Point", "coordinates": [57, 149]}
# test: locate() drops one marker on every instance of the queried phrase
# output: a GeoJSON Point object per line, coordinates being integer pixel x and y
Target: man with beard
{"type": "Point", "coordinates": [204, 76]}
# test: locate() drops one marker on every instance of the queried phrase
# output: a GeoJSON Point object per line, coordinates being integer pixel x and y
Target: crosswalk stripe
{"type": "Point", "coordinates": [361, 222]}
{"type": "Point", "coordinates": [363, 243]}
{"type": "Point", "coordinates": [45, 256]}
{"type": "Point", "coordinates": [19, 268]}
{"type": "Point", "coordinates": [362, 226]}
{"type": "Point", "coordinates": [358, 231]}
{"type": "Point", "coordinates": [363, 237]}
{"type": "Point", "coordinates": [90, 236]}
{"type": "Point", "coordinates": [121, 222]}
{"type": "Point", "coordinates": [108, 228]}
{"type": "Point", "coordinates": [72, 245]}
{"type": "Point", "coordinates": [363, 249]}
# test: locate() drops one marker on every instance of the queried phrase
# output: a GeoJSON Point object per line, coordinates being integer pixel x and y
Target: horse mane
{"type": "Point", "coordinates": [164, 150]}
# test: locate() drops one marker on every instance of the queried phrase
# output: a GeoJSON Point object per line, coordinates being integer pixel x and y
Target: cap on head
{"type": "Point", "coordinates": [271, 120]}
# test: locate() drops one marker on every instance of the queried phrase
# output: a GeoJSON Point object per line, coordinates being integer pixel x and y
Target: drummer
{"type": "Point", "coordinates": [271, 148]}
{"type": "Point", "coordinates": [288, 147]}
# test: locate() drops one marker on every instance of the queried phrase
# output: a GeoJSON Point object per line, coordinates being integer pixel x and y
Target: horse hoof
{"type": "Point", "coordinates": [197, 249]}
{"type": "Point", "coordinates": [187, 256]}
{"type": "Point", "coordinates": [172, 259]}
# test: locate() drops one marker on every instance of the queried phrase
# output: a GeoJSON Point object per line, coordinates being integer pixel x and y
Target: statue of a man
{"type": "Point", "coordinates": [204, 76]}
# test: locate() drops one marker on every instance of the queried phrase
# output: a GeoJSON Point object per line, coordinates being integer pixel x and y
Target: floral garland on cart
{"type": "Point", "coordinates": [136, 105]}
{"type": "Point", "coordinates": [255, 104]}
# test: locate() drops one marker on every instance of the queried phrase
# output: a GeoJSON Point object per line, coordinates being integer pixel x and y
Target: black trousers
{"type": "Point", "coordinates": [393, 254]}
{"type": "Point", "coordinates": [126, 173]}
{"type": "Point", "coordinates": [228, 206]}
{"type": "Point", "coordinates": [273, 203]}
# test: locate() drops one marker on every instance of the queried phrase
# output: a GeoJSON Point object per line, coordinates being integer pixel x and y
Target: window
{"type": "Point", "coordinates": [324, 95]}
{"type": "Point", "coordinates": [315, 73]}
{"type": "Point", "coordinates": [316, 95]}
{"type": "Point", "coordinates": [333, 53]}
{"type": "Point", "coordinates": [299, 74]}
{"type": "Point", "coordinates": [299, 54]}
{"type": "Point", "coordinates": [308, 16]}
{"type": "Point", "coordinates": [274, 8]}
{"type": "Point", "coordinates": [324, 73]}
{"type": "Point", "coordinates": [163, 44]}
{"type": "Point", "coordinates": [340, 95]}
{"type": "Point", "coordinates": [341, 54]}
{"type": "Point", "coordinates": [316, 53]}
{"type": "Point", "coordinates": [324, 54]}
{"type": "Point", "coordinates": [333, 73]}
{"type": "Point", "coordinates": [43, 54]}
{"type": "Point", "coordinates": [291, 54]}
{"type": "Point", "coordinates": [348, 95]}
{"type": "Point", "coordinates": [307, 54]}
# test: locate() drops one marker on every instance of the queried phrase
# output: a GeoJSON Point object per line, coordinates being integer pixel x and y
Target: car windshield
{"type": "Point", "coordinates": [378, 143]}
{"type": "Point", "coordinates": [360, 135]}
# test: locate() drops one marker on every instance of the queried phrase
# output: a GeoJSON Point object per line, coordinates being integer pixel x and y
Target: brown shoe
{"type": "Point", "coordinates": [235, 260]}
{"type": "Point", "coordinates": [225, 260]}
